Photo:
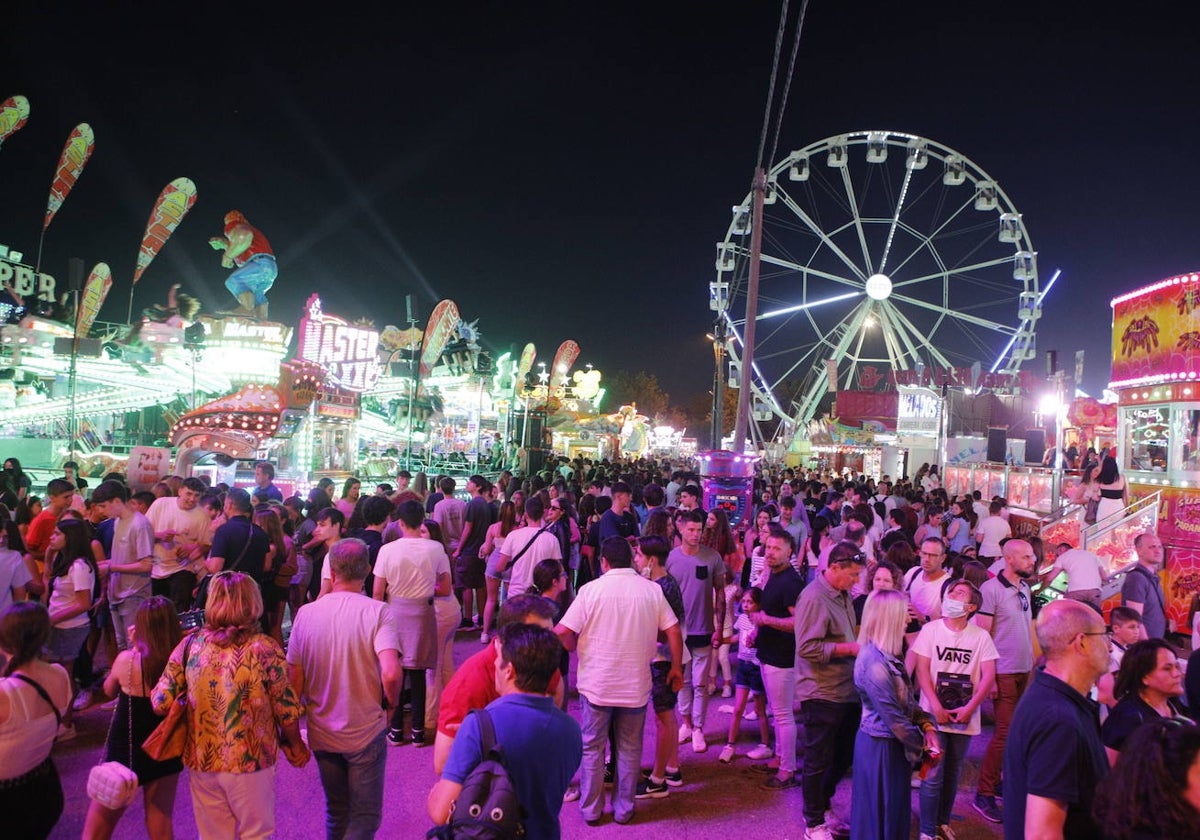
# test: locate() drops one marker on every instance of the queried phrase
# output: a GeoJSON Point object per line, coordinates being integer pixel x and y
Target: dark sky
{"type": "Point", "coordinates": [565, 170]}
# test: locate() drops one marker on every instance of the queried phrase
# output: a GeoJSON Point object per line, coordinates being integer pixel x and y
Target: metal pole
{"type": "Point", "coordinates": [747, 374]}
{"type": "Point", "coordinates": [414, 373]}
{"type": "Point", "coordinates": [718, 409]}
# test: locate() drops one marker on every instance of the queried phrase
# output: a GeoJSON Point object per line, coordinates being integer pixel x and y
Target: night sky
{"type": "Point", "coordinates": [565, 170]}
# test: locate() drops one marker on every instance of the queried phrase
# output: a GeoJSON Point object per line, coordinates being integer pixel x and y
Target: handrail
{"type": "Point", "coordinates": [1098, 530]}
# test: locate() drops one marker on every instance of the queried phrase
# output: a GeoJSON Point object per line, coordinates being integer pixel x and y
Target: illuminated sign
{"type": "Point", "coordinates": [349, 353]}
{"type": "Point", "coordinates": [1149, 426]}
{"type": "Point", "coordinates": [1155, 334]}
{"type": "Point", "coordinates": [918, 411]}
{"type": "Point", "coordinates": [25, 281]}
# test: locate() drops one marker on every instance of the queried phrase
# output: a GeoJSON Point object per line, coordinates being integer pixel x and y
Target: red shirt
{"type": "Point", "coordinates": [472, 687]}
{"type": "Point", "coordinates": [258, 245]}
{"type": "Point", "coordinates": [37, 537]}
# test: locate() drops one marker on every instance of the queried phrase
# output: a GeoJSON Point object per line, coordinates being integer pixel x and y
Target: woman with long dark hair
{"type": "Point", "coordinates": [1147, 686]}
{"type": "Point", "coordinates": [34, 695]}
{"type": "Point", "coordinates": [1114, 493]}
{"type": "Point", "coordinates": [490, 550]}
{"type": "Point", "coordinates": [1153, 790]}
{"type": "Point", "coordinates": [72, 580]}
{"type": "Point", "coordinates": [281, 565]}
{"type": "Point", "coordinates": [350, 492]}
{"type": "Point", "coordinates": [135, 671]}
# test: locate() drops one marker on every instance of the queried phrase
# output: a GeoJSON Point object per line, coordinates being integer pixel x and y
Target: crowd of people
{"type": "Point", "coordinates": [866, 623]}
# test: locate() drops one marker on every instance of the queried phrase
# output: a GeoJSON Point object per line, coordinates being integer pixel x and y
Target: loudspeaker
{"type": "Point", "coordinates": [997, 446]}
{"type": "Point", "coordinates": [74, 274]}
{"type": "Point", "coordinates": [1035, 446]}
{"type": "Point", "coordinates": [531, 438]}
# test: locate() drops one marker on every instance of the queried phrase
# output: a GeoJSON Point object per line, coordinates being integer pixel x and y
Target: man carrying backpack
{"type": "Point", "coordinates": [540, 747]}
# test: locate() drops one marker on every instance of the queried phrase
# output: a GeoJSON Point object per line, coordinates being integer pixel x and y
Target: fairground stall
{"type": "Point", "coordinates": [1156, 374]}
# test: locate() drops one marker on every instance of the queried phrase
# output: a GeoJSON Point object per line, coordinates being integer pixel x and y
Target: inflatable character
{"type": "Point", "coordinates": [246, 248]}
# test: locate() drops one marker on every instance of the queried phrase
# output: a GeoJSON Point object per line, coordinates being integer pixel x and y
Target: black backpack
{"type": "Point", "coordinates": [487, 808]}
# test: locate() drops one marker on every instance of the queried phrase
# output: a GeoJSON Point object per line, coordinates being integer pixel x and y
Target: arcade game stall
{"type": "Point", "coordinates": [727, 482]}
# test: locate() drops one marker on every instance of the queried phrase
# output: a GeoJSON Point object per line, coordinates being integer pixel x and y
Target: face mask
{"type": "Point", "coordinates": [953, 609]}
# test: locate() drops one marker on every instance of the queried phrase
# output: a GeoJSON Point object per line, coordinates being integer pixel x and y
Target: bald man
{"type": "Point", "coordinates": [1007, 614]}
{"type": "Point", "coordinates": [1055, 758]}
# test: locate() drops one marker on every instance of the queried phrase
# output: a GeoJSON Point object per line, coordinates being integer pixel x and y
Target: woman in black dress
{"type": "Point", "coordinates": [134, 674]}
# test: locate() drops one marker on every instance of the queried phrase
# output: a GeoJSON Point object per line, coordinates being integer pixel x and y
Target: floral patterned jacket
{"type": "Point", "coordinates": [238, 699]}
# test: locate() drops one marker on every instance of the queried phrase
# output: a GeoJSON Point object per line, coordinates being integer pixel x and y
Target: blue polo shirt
{"type": "Point", "coordinates": [1054, 750]}
{"type": "Point", "coordinates": [542, 750]}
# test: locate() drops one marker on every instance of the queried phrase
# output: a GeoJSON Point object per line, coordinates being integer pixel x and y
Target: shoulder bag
{"type": "Point", "coordinates": [168, 738]}
{"type": "Point", "coordinates": [111, 783]}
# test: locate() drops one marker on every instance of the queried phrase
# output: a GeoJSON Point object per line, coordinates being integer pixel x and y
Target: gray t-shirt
{"type": "Point", "coordinates": [1145, 588]}
{"type": "Point", "coordinates": [1009, 607]}
{"type": "Point", "coordinates": [697, 576]}
{"type": "Point", "coordinates": [133, 540]}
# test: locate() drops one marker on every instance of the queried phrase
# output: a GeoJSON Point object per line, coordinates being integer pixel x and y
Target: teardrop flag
{"type": "Point", "coordinates": [173, 204]}
{"type": "Point", "coordinates": [442, 322]}
{"type": "Point", "coordinates": [75, 154]}
{"type": "Point", "coordinates": [95, 290]}
{"type": "Point", "coordinates": [567, 353]}
{"type": "Point", "coordinates": [526, 364]}
{"type": "Point", "coordinates": [13, 115]}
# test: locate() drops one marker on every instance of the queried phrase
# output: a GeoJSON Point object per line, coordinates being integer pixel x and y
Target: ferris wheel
{"type": "Point", "coordinates": [881, 252]}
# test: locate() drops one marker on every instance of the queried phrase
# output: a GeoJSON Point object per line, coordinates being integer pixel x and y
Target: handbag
{"type": "Point", "coordinates": [111, 783]}
{"type": "Point", "coordinates": [168, 738]}
{"type": "Point", "coordinates": [1089, 513]}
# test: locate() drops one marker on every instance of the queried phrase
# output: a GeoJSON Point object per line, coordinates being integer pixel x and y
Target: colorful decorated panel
{"type": "Point", "coordinates": [1156, 333]}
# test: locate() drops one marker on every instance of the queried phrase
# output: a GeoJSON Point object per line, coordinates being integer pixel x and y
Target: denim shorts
{"type": "Point", "coordinates": [65, 642]}
{"type": "Point", "coordinates": [749, 675]}
{"type": "Point", "coordinates": [661, 695]}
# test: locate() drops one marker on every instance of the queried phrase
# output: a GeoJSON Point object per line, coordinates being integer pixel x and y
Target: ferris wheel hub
{"type": "Point", "coordinates": [879, 287]}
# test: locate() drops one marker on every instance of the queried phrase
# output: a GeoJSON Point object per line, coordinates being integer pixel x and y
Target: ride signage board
{"type": "Point", "coordinates": [919, 411]}
{"type": "Point", "coordinates": [26, 281]}
{"type": "Point", "coordinates": [1156, 333]}
{"type": "Point", "coordinates": [348, 352]}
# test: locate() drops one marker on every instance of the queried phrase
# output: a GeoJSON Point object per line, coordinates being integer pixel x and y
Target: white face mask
{"type": "Point", "coordinates": [953, 609]}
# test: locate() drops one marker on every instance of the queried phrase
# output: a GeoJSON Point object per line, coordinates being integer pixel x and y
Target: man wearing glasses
{"type": "Point", "coordinates": [1006, 614]}
{"type": "Point", "coordinates": [924, 583]}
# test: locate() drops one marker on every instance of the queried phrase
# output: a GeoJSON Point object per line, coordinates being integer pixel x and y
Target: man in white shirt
{"type": "Point", "coordinates": [614, 621]}
{"type": "Point", "coordinates": [1083, 570]}
{"type": "Point", "coordinates": [923, 584]}
{"type": "Point", "coordinates": [180, 543]}
{"type": "Point", "coordinates": [344, 663]}
{"type": "Point", "coordinates": [528, 546]}
{"type": "Point", "coordinates": [990, 532]}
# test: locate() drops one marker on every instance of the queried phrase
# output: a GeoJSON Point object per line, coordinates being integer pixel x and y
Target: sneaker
{"type": "Point", "coordinates": [776, 783]}
{"type": "Point", "coordinates": [66, 732]}
{"type": "Point", "coordinates": [760, 753]}
{"type": "Point", "coordinates": [418, 738]}
{"type": "Point", "coordinates": [685, 733]}
{"type": "Point", "coordinates": [836, 826]}
{"type": "Point", "coordinates": [395, 738]}
{"type": "Point", "coordinates": [818, 832]}
{"type": "Point", "coordinates": [727, 753]}
{"type": "Point", "coordinates": [82, 701]}
{"type": "Point", "coordinates": [466, 624]}
{"type": "Point", "coordinates": [572, 794]}
{"type": "Point", "coordinates": [484, 638]}
{"type": "Point", "coordinates": [699, 744]}
{"type": "Point", "coordinates": [764, 768]}
{"type": "Point", "coordinates": [673, 778]}
{"type": "Point", "coordinates": [987, 808]}
{"type": "Point", "coordinates": [945, 832]}
{"type": "Point", "coordinates": [725, 709]}
{"type": "Point", "coordinates": [727, 691]}
{"type": "Point", "coordinates": [650, 789]}
{"type": "Point", "coordinates": [712, 689]}
{"type": "Point", "coordinates": [750, 715]}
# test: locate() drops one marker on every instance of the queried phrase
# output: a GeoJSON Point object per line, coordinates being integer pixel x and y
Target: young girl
{"type": "Point", "coordinates": [154, 634]}
{"type": "Point", "coordinates": [73, 583]}
{"type": "Point", "coordinates": [749, 680]}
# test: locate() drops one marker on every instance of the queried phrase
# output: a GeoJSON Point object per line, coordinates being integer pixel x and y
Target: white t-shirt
{"type": "Point", "coordinates": [336, 641]}
{"type": "Point", "coordinates": [410, 566]}
{"type": "Point", "coordinates": [545, 546]}
{"type": "Point", "coordinates": [190, 526]}
{"type": "Point", "coordinates": [13, 572]}
{"type": "Point", "coordinates": [1082, 568]}
{"type": "Point", "coordinates": [450, 514]}
{"type": "Point", "coordinates": [79, 578]}
{"type": "Point", "coordinates": [617, 618]}
{"type": "Point", "coordinates": [990, 532]}
{"type": "Point", "coordinates": [925, 595]}
{"type": "Point", "coordinates": [962, 653]}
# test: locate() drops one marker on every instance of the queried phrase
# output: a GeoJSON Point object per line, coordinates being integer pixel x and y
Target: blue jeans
{"type": "Point", "coordinates": [941, 782]}
{"type": "Point", "coordinates": [628, 725]}
{"type": "Point", "coordinates": [353, 785]}
{"type": "Point", "coordinates": [122, 619]}
{"type": "Point", "coordinates": [257, 276]}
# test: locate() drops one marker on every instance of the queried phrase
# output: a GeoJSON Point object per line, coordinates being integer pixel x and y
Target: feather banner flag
{"type": "Point", "coordinates": [95, 290]}
{"type": "Point", "coordinates": [173, 204]}
{"type": "Point", "coordinates": [567, 353]}
{"type": "Point", "coordinates": [14, 113]}
{"type": "Point", "coordinates": [442, 321]}
{"type": "Point", "coordinates": [75, 154]}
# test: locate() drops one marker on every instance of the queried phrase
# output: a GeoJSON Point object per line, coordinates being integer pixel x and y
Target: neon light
{"type": "Point", "coordinates": [350, 354]}
{"type": "Point", "coordinates": [803, 306]}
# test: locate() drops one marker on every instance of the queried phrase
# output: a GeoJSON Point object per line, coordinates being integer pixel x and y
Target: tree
{"type": "Point", "coordinates": [642, 388]}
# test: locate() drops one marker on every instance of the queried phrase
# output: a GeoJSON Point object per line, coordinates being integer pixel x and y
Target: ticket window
{"type": "Point", "coordinates": [1147, 438]}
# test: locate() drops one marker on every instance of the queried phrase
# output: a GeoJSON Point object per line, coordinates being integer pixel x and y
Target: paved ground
{"type": "Point", "coordinates": [716, 800]}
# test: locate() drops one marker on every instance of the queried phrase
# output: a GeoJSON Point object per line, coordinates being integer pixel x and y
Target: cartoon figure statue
{"type": "Point", "coordinates": [246, 247]}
